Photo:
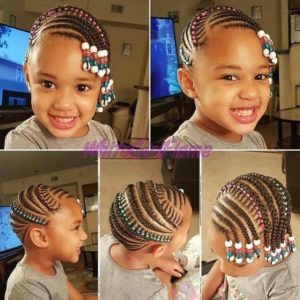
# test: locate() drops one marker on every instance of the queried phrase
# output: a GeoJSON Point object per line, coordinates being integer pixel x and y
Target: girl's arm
{"type": "Point", "coordinates": [212, 281]}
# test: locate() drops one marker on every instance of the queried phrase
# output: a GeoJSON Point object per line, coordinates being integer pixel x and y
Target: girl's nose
{"type": "Point", "coordinates": [83, 235]}
{"type": "Point", "coordinates": [63, 100]}
{"type": "Point", "coordinates": [249, 90]}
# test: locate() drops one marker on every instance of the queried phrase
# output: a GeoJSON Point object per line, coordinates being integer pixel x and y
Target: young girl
{"type": "Point", "coordinates": [227, 69]}
{"type": "Point", "coordinates": [67, 72]}
{"type": "Point", "coordinates": [251, 235]}
{"type": "Point", "coordinates": [48, 222]}
{"type": "Point", "coordinates": [149, 222]}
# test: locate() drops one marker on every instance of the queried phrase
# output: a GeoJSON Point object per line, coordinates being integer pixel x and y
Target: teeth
{"type": "Point", "coordinates": [64, 120]}
{"type": "Point", "coordinates": [244, 112]}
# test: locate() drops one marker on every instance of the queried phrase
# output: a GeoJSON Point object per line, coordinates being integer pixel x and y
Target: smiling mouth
{"type": "Point", "coordinates": [63, 123]}
{"type": "Point", "coordinates": [244, 112]}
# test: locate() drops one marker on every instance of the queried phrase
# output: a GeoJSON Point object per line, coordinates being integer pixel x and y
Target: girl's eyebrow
{"type": "Point", "coordinates": [86, 79]}
{"type": "Point", "coordinates": [235, 67]}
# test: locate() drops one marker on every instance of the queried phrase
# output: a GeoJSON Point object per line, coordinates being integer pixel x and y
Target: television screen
{"type": "Point", "coordinates": [13, 45]}
{"type": "Point", "coordinates": [8, 238]}
{"type": "Point", "coordinates": [164, 60]}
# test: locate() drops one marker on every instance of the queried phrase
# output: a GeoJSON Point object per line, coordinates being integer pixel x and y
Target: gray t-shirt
{"type": "Point", "coordinates": [25, 283]}
{"type": "Point", "coordinates": [279, 282]}
{"type": "Point", "coordinates": [188, 134]}
{"type": "Point", "coordinates": [119, 283]}
{"type": "Point", "coordinates": [32, 134]}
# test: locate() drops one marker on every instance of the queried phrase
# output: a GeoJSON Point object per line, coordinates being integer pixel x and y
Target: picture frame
{"type": "Point", "coordinates": [90, 203]}
{"type": "Point", "coordinates": [256, 12]}
{"type": "Point", "coordinates": [126, 49]}
{"type": "Point", "coordinates": [174, 15]}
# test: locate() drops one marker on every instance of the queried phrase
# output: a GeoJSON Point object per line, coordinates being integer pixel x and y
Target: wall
{"type": "Point", "coordinates": [129, 27]}
{"type": "Point", "coordinates": [270, 14]}
{"type": "Point", "coordinates": [222, 167]}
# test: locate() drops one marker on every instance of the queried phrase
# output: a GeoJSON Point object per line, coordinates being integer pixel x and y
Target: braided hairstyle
{"type": "Point", "coordinates": [35, 205]}
{"type": "Point", "coordinates": [146, 212]}
{"type": "Point", "coordinates": [254, 204]}
{"type": "Point", "coordinates": [69, 21]}
{"type": "Point", "coordinates": [197, 32]}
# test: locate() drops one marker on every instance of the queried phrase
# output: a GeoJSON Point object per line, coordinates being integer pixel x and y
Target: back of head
{"type": "Point", "coordinates": [146, 212]}
{"type": "Point", "coordinates": [35, 205]}
{"type": "Point", "coordinates": [198, 31]}
{"type": "Point", "coordinates": [255, 205]}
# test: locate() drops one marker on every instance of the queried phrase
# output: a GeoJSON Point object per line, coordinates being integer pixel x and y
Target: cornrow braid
{"type": "Point", "coordinates": [196, 33]}
{"type": "Point", "coordinates": [252, 203]}
{"type": "Point", "coordinates": [34, 205]}
{"type": "Point", "coordinates": [72, 22]}
{"type": "Point", "coordinates": [145, 212]}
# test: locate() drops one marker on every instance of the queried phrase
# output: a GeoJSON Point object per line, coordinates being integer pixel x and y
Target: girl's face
{"type": "Point", "coordinates": [180, 236]}
{"type": "Point", "coordinates": [63, 95]}
{"type": "Point", "coordinates": [217, 243]}
{"type": "Point", "coordinates": [65, 232]}
{"type": "Point", "coordinates": [230, 83]}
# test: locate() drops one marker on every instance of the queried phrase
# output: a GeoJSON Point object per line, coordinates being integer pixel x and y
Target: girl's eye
{"type": "Point", "coordinates": [229, 77]}
{"type": "Point", "coordinates": [261, 76]}
{"type": "Point", "coordinates": [82, 88]}
{"type": "Point", "coordinates": [77, 227]}
{"type": "Point", "coordinates": [48, 84]}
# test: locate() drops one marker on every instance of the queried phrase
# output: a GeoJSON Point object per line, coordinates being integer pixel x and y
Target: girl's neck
{"type": "Point", "coordinates": [131, 260]}
{"type": "Point", "coordinates": [39, 263]}
{"type": "Point", "coordinates": [213, 128]}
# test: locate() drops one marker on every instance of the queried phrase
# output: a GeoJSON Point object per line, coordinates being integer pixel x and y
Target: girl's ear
{"type": "Point", "coordinates": [26, 75]}
{"type": "Point", "coordinates": [158, 250]}
{"type": "Point", "coordinates": [186, 82]}
{"type": "Point", "coordinates": [38, 237]}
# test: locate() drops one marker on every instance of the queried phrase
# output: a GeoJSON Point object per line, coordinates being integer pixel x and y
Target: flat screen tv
{"type": "Point", "coordinates": [164, 59]}
{"type": "Point", "coordinates": [13, 90]}
{"type": "Point", "coordinates": [8, 238]}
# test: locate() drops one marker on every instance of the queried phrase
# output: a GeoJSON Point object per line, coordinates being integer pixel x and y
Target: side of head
{"type": "Point", "coordinates": [68, 51]}
{"type": "Point", "coordinates": [227, 61]}
{"type": "Point", "coordinates": [151, 214]}
{"type": "Point", "coordinates": [251, 224]}
{"type": "Point", "coordinates": [48, 219]}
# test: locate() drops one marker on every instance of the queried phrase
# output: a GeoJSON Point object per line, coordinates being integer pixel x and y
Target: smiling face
{"type": "Point", "coordinates": [229, 82]}
{"type": "Point", "coordinates": [65, 232]}
{"type": "Point", "coordinates": [64, 96]}
{"type": "Point", "coordinates": [217, 243]}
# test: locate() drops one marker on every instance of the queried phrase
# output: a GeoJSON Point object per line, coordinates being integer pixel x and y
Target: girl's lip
{"type": "Point", "coordinates": [244, 115]}
{"type": "Point", "coordinates": [63, 123]}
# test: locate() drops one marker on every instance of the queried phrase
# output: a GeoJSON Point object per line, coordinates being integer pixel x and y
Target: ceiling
{"type": "Point", "coordinates": [21, 164]}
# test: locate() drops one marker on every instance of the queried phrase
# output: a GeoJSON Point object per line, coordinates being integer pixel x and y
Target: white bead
{"type": "Point", "coordinates": [103, 90]}
{"type": "Point", "coordinates": [102, 53]}
{"type": "Point", "coordinates": [273, 253]}
{"type": "Point", "coordinates": [86, 66]}
{"type": "Point", "coordinates": [94, 69]}
{"type": "Point", "coordinates": [93, 49]}
{"type": "Point", "coordinates": [291, 238]}
{"type": "Point", "coordinates": [99, 109]}
{"type": "Point", "coordinates": [85, 46]}
{"type": "Point", "coordinates": [275, 60]}
{"type": "Point", "coordinates": [272, 54]}
{"type": "Point", "coordinates": [256, 242]}
{"type": "Point", "coordinates": [266, 52]}
{"type": "Point", "coordinates": [286, 254]}
{"type": "Point", "coordinates": [249, 246]}
{"type": "Point", "coordinates": [268, 248]}
{"type": "Point", "coordinates": [109, 99]}
{"type": "Point", "coordinates": [238, 245]}
{"type": "Point", "coordinates": [101, 73]}
{"type": "Point", "coordinates": [270, 80]}
{"type": "Point", "coordinates": [278, 250]}
{"type": "Point", "coordinates": [267, 36]}
{"type": "Point", "coordinates": [231, 258]}
{"type": "Point", "coordinates": [283, 245]}
{"type": "Point", "coordinates": [228, 244]}
{"type": "Point", "coordinates": [249, 260]}
{"type": "Point", "coordinates": [104, 103]}
{"type": "Point", "coordinates": [239, 260]}
{"type": "Point", "coordinates": [107, 70]}
{"type": "Point", "coordinates": [261, 33]}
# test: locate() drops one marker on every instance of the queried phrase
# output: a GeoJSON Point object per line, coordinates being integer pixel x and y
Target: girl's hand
{"type": "Point", "coordinates": [169, 265]}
